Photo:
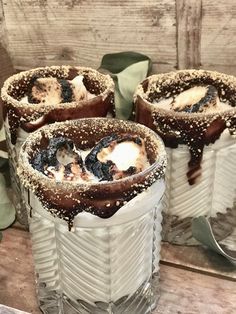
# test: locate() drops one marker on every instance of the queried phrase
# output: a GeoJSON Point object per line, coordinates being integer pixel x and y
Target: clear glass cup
{"type": "Point", "coordinates": [201, 148]}
{"type": "Point", "coordinates": [22, 118]}
{"type": "Point", "coordinates": [109, 261]}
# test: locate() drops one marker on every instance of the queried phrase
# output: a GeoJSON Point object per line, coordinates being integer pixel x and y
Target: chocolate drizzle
{"type": "Point", "coordinates": [14, 121]}
{"type": "Point", "coordinates": [196, 130]}
{"type": "Point", "coordinates": [184, 132]}
{"type": "Point", "coordinates": [103, 201]}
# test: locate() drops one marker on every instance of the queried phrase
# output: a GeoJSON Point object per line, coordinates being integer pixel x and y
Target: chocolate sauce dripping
{"type": "Point", "coordinates": [14, 121]}
{"type": "Point", "coordinates": [69, 212]}
{"type": "Point", "coordinates": [70, 224]}
{"type": "Point", "coordinates": [102, 203]}
{"type": "Point", "coordinates": [30, 213]}
{"type": "Point", "coordinates": [174, 130]}
{"type": "Point", "coordinates": [196, 134]}
{"type": "Point", "coordinates": [31, 209]}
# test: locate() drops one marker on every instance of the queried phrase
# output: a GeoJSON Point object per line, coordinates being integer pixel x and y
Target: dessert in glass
{"type": "Point", "coordinates": [194, 113]}
{"type": "Point", "coordinates": [93, 189]}
{"type": "Point", "coordinates": [42, 96]}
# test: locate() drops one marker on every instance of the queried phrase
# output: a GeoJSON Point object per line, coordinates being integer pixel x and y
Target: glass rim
{"type": "Point", "coordinates": [8, 84]}
{"type": "Point", "coordinates": [166, 79]}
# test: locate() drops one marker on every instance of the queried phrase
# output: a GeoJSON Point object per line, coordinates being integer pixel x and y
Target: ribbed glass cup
{"type": "Point", "coordinates": [109, 261]}
{"type": "Point", "coordinates": [21, 118]}
{"type": "Point", "coordinates": [201, 148]}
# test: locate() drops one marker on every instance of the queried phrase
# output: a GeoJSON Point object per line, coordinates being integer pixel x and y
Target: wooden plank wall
{"type": "Point", "coordinates": [50, 32]}
{"type": "Point", "coordinates": [174, 33]}
{"type": "Point", "coordinates": [6, 67]}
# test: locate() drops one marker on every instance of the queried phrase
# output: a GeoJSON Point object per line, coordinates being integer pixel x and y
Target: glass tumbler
{"type": "Point", "coordinates": [201, 148]}
{"type": "Point", "coordinates": [22, 118]}
{"type": "Point", "coordinates": [96, 246]}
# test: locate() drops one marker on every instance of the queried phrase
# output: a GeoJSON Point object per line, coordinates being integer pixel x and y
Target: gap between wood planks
{"type": "Point", "coordinates": [197, 270]}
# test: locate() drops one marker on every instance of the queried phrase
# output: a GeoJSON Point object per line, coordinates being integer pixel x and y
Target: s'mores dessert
{"type": "Point", "coordinates": [94, 214]}
{"type": "Point", "coordinates": [194, 113]}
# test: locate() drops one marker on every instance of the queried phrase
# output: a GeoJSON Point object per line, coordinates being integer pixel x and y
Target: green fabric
{"type": "Point", "coordinates": [127, 69]}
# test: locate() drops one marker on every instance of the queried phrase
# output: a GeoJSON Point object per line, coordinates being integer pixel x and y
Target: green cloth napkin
{"type": "Point", "coordinates": [127, 69]}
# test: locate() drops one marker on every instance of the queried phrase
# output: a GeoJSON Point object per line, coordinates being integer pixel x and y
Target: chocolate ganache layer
{"type": "Point", "coordinates": [190, 107]}
{"type": "Point", "coordinates": [67, 197]}
{"type": "Point", "coordinates": [42, 96]}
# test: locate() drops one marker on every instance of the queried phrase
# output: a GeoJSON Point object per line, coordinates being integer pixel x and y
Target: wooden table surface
{"type": "Point", "coordinates": [193, 279]}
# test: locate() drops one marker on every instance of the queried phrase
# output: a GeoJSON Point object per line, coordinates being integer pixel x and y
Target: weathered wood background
{"type": "Point", "coordinates": [174, 33]}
